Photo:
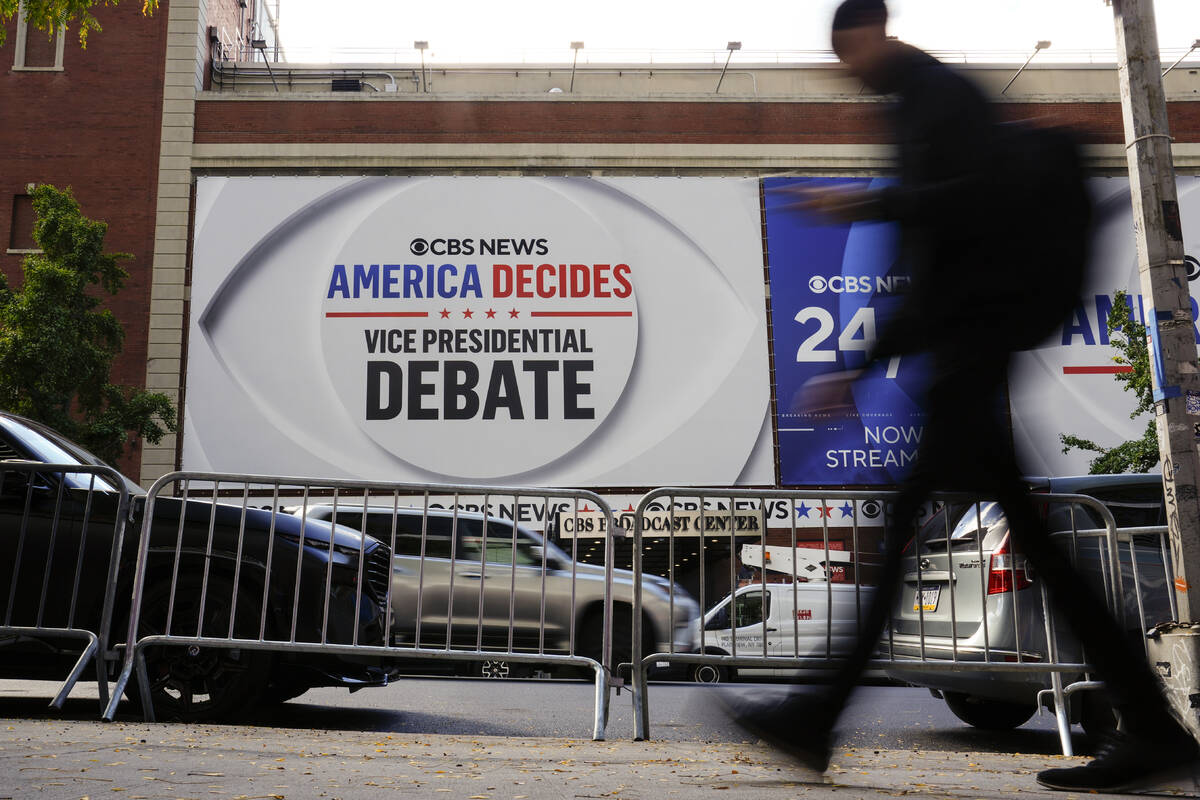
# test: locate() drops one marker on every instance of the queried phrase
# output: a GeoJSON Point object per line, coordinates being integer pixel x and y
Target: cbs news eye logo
{"type": "Point", "coordinates": [1193, 267]}
{"type": "Point", "coordinates": [442, 247]}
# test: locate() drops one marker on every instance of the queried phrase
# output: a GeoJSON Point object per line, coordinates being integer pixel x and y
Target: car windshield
{"type": "Point", "coordinates": [968, 522]}
{"type": "Point", "coordinates": [41, 447]}
{"type": "Point", "coordinates": [382, 522]}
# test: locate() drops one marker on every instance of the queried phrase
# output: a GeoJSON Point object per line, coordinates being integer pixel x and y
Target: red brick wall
{"type": "Point", "coordinates": [611, 122]}
{"type": "Point", "coordinates": [231, 21]}
{"type": "Point", "coordinates": [94, 127]}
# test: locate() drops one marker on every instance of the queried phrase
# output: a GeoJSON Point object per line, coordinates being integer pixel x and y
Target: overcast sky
{"type": "Point", "coordinates": [478, 30]}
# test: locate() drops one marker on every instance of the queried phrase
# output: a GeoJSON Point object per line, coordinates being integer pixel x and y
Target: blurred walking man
{"type": "Point", "coordinates": [973, 303]}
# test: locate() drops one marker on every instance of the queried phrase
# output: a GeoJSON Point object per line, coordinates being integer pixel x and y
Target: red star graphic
{"type": "Point", "coordinates": [491, 314]}
{"type": "Point", "coordinates": [586, 508]}
{"type": "Point", "coordinates": [445, 314]}
{"type": "Point", "coordinates": [514, 314]}
{"type": "Point", "coordinates": [629, 508]}
{"type": "Point", "coordinates": [468, 314]}
{"type": "Point", "coordinates": [825, 510]}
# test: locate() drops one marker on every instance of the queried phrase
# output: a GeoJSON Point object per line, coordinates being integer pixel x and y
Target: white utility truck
{"type": "Point", "coordinates": [779, 624]}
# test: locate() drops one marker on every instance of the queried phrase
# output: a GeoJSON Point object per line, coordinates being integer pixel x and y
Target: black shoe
{"type": "Point", "coordinates": [800, 727]}
{"type": "Point", "coordinates": [1126, 763]}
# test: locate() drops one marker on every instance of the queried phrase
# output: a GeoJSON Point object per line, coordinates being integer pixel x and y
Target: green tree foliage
{"type": "Point", "coordinates": [1128, 336]}
{"type": "Point", "coordinates": [57, 343]}
{"type": "Point", "coordinates": [52, 16]}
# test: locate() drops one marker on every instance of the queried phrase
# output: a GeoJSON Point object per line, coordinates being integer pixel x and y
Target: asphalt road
{"type": "Point", "coordinates": [880, 717]}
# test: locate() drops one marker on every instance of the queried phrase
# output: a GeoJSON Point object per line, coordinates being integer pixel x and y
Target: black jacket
{"type": "Point", "coordinates": [945, 132]}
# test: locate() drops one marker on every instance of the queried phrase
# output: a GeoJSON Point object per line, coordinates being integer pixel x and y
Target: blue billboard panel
{"type": "Point", "coordinates": [832, 289]}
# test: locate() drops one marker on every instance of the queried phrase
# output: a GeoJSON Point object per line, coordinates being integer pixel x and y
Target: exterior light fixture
{"type": "Point", "coordinates": [576, 46]}
{"type": "Point", "coordinates": [1195, 46]}
{"type": "Point", "coordinates": [422, 45]}
{"type": "Point", "coordinates": [1043, 44]}
{"type": "Point", "coordinates": [730, 46]}
{"type": "Point", "coordinates": [261, 46]}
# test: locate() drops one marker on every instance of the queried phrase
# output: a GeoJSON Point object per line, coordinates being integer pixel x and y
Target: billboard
{"type": "Point", "coordinates": [832, 287]}
{"type": "Point", "coordinates": [1067, 385]}
{"type": "Point", "coordinates": [542, 331]}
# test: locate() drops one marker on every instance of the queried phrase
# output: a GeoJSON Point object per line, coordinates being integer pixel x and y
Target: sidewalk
{"type": "Point", "coordinates": [72, 760]}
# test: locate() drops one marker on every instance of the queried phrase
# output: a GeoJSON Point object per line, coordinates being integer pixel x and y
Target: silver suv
{"type": "Point", "coordinates": [976, 599]}
{"type": "Point", "coordinates": [521, 577]}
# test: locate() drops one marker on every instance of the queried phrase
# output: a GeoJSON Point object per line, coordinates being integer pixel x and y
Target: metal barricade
{"type": "Point", "coordinates": [62, 531]}
{"type": "Point", "coordinates": [944, 620]}
{"type": "Point", "coordinates": [356, 578]}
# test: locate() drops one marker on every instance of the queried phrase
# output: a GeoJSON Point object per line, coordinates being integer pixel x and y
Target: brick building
{"type": "Point", "coordinates": [152, 103]}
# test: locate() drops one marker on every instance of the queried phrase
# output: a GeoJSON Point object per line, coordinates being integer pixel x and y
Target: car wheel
{"type": "Point", "coordinates": [709, 673]}
{"type": "Point", "coordinates": [591, 637]}
{"type": "Point", "coordinates": [193, 683]}
{"type": "Point", "coordinates": [990, 715]}
{"type": "Point", "coordinates": [495, 669]}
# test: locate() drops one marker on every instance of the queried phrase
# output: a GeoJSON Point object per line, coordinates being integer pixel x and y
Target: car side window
{"type": "Point", "coordinates": [408, 534]}
{"type": "Point", "coordinates": [1063, 517]}
{"type": "Point", "coordinates": [1134, 506]}
{"type": "Point", "coordinates": [499, 545]}
{"type": "Point", "coordinates": [750, 608]}
{"type": "Point", "coordinates": [719, 620]}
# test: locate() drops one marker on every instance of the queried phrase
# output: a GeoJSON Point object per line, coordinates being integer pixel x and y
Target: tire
{"type": "Point", "coordinates": [199, 684]}
{"type": "Point", "coordinates": [989, 715]}
{"type": "Point", "coordinates": [278, 693]}
{"type": "Point", "coordinates": [591, 637]}
{"type": "Point", "coordinates": [709, 673]}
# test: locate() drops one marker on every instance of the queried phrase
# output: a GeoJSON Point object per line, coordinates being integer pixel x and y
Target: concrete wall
{"type": "Point", "coordinates": [744, 81]}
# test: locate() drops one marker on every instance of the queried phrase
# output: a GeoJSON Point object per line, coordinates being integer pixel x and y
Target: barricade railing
{"type": "Point", "coordinates": [943, 620]}
{"type": "Point", "coordinates": [63, 539]}
{"type": "Point", "coordinates": [235, 570]}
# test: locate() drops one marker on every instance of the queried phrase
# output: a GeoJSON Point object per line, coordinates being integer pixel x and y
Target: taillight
{"type": "Point", "coordinates": [1006, 571]}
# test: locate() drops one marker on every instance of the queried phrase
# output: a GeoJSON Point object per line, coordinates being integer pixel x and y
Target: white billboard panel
{"type": "Point", "coordinates": [1067, 386]}
{"type": "Point", "coordinates": [548, 331]}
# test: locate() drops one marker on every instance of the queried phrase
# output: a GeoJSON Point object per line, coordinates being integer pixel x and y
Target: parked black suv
{"type": "Point", "coordinates": [57, 529]}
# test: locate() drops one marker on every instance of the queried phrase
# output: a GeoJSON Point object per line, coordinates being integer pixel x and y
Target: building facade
{"type": "Point", "coordinates": [155, 106]}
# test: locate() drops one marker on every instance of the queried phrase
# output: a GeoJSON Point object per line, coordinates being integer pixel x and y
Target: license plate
{"type": "Point", "coordinates": [926, 598]}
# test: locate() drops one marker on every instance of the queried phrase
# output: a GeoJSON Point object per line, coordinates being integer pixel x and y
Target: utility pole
{"type": "Point", "coordinates": [1171, 340]}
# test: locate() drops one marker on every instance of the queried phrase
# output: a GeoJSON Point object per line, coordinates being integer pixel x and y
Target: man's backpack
{"type": "Point", "coordinates": [1044, 214]}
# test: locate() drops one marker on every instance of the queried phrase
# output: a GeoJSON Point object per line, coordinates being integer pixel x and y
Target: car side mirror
{"type": "Point", "coordinates": [539, 552]}
{"type": "Point", "coordinates": [719, 622]}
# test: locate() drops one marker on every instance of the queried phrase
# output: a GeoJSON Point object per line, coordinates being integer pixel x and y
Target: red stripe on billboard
{"type": "Point", "coordinates": [1096, 370]}
{"type": "Point", "coordinates": [581, 313]}
{"type": "Point", "coordinates": [361, 314]}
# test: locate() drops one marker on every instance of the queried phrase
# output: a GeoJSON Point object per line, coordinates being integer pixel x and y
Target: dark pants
{"type": "Point", "coordinates": [966, 447]}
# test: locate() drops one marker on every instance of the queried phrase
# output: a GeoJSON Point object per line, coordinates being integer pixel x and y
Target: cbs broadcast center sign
{"type": "Point", "coordinates": [539, 331]}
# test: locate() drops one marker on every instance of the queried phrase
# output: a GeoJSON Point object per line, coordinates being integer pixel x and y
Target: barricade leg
{"type": "Point", "coordinates": [139, 660]}
{"type": "Point", "coordinates": [118, 690]}
{"type": "Point", "coordinates": [102, 681]}
{"type": "Point", "coordinates": [600, 721]}
{"type": "Point", "coordinates": [88, 652]}
{"type": "Point", "coordinates": [1060, 713]}
{"type": "Point", "coordinates": [641, 711]}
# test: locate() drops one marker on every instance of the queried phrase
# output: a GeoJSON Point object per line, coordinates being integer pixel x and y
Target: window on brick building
{"type": "Point", "coordinates": [20, 233]}
{"type": "Point", "coordinates": [34, 49]}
